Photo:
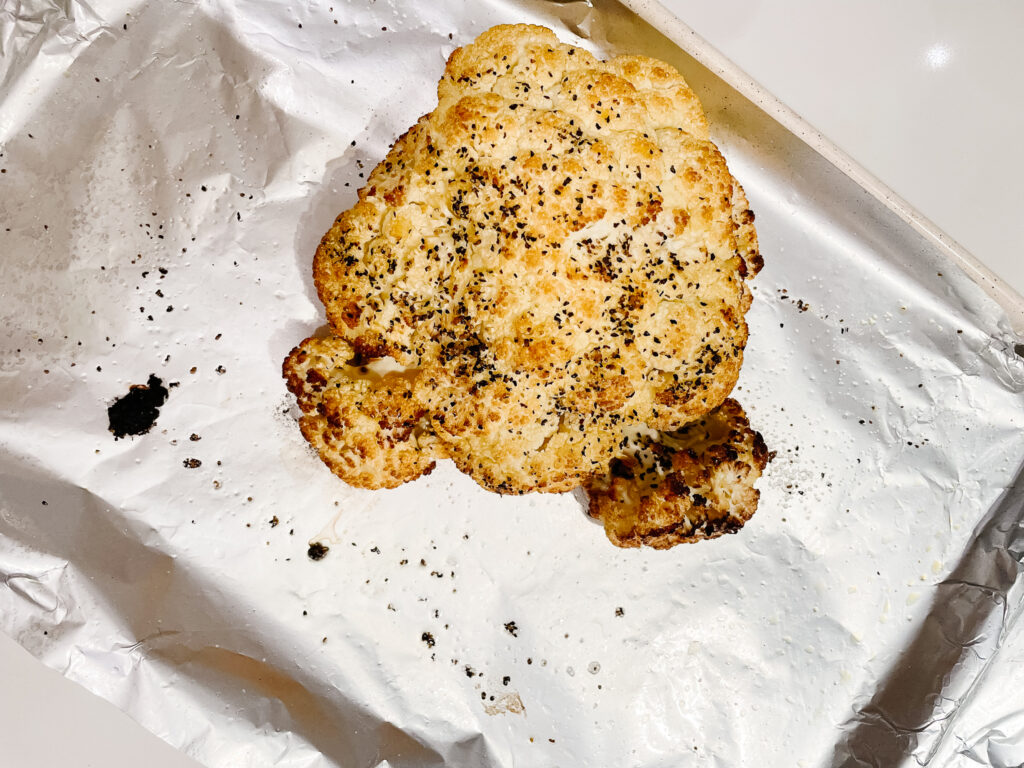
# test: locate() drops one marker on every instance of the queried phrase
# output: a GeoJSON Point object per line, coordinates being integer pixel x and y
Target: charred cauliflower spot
{"type": "Point", "coordinates": [552, 257]}
{"type": "Point", "coordinates": [665, 488]}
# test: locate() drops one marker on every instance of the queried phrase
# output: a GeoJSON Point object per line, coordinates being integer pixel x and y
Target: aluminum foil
{"type": "Point", "coordinates": [166, 170]}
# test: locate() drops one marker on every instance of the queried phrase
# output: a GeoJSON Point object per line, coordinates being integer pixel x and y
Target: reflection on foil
{"type": "Point", "coordinates": [168, 169]}
{"type": "Point", "coordinates": [971, 613]}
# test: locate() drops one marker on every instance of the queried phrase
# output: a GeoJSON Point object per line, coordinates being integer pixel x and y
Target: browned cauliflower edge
{"type": "Point", "coordinates": [686, 485]}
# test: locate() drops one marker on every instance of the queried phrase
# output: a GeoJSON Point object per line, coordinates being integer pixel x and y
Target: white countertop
{"type": "Point", "coordinates": [924, 93]}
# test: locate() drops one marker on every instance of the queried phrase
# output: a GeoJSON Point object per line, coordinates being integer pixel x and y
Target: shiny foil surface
{"type": "Point", "coordinates": [166, 171]}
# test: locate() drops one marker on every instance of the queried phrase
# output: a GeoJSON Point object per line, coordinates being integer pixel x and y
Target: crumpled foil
{"type": "Point", "coordinates": [166, 170]}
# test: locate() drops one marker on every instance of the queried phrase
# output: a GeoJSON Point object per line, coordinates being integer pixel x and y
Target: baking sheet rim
{"type": "Point", "coordinates": [674, 28]}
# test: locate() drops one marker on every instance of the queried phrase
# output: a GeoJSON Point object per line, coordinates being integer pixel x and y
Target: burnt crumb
{"type": "Point", "coordinates": [511, 628]}
{"type": "Point", "coordinates": [428, 638]}
{"type": "Point", "coordinates": [136, 412]}
{"type": "Point", "coordinates": [194, 437]}
{"type": "Point", "coordinates": [800, 304]}
{"type": "Point", "coordinates": [317, 551]}
{"type": "Point", "coordinates": [619, 612]}
{"type": "Point", "coordinates": [375, 550]}
{"type": "Point", "coordinates": [192, 463]}
{"type": "Point", "coordinates": [274, 522]}
{"type": "Point", "coordinates": [470, 672]}
{"type": "Point", "coordinates": [221, 369]}
{"type": "Point", "coordinates": [505, 680]}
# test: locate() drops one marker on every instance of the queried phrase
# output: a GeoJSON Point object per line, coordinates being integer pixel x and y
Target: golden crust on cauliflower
{"type": "Point", "coordinates": [364, 425]}
{"type": "Point", "coordinates": [681, 486]}
{"type": "Point", "coordinates": [554, 255]}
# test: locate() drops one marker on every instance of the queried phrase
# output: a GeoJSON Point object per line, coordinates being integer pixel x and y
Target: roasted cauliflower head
{"type": "Point", "coordinates": [554, 257]}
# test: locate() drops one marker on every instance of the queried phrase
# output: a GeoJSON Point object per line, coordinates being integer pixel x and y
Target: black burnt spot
{"type": "Point", "coordinates": [511, 628]}
{"type": "Point", "coordinates": [192, 463]}
{"type": "Point", "coordinates": [136, 412]}
{"type": "Point", "coordinates": [428, 638]}
{"type": "Point", "coordinates": [317, 551]}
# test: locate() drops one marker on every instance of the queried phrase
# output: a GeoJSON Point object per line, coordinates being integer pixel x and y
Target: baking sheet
{"type": "Point", "coordinates": [168, 170]}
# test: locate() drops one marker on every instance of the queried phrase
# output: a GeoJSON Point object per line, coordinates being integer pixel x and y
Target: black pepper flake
{"type": "Point", "coordinates": [192, 463]}
{"type": "Point", "coordinates": [428, 638]}
{"type": "Point", "coordinates": [619, 612]}
{"type": "Point", "coordinates": [511, 628]}
{"type": "Point", "coordinates": [194, 437]}
{"type": "Point", "coordinates": [317, 551]}
{"type": "Point", "coordinates": [274, 522]}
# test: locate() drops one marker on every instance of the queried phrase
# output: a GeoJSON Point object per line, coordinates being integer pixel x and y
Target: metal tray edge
{"type": "Point", "coordinates": [662, 19]}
